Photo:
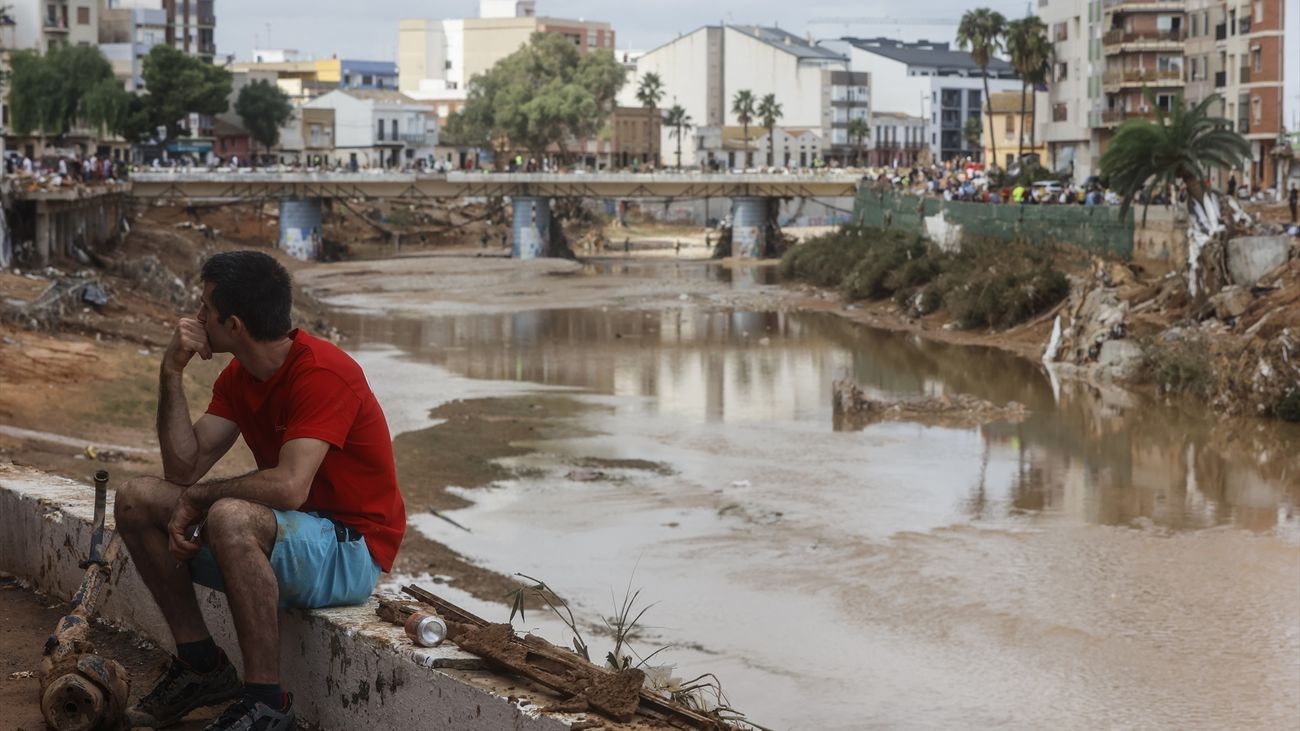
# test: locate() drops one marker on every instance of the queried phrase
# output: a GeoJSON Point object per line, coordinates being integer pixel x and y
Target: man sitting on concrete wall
{"type": "Point", "coordinates": [312, 527]}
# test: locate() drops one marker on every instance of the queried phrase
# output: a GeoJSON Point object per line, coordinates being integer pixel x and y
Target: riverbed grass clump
{"type": "Point", "coordinates": [1180, 365]}
{"type": "Point", "coordinates": [988, 283]}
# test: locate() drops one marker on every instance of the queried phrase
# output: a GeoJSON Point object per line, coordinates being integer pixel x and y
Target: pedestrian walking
{"type": "Point", "coordinates": [1293, 200]}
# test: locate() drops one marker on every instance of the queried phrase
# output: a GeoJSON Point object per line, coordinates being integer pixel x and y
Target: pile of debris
{"type": "Point", "coordinates": [1232, 319]}
{"type": "Point", "coordinates": [854, 409]}
{"type": "Point", "coordinates": [619, 695]}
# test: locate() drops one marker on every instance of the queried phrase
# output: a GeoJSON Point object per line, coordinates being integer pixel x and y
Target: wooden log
{"type": "Point", "coordinates": [555, 668]}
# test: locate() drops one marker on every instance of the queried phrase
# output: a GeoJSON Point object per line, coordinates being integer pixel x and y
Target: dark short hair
{"type": "Point", "coordinates": [255, 288]}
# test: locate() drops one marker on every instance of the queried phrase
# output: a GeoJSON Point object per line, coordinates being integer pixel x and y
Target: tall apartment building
{"type": "Point", "coordinates": [1071, 112]}
{"type": "Point", "coordinates": [191, 27]}
{"type": "Point", "coordinates": [1111, 53]}
{"type": "Point", "coordinates": [1238, 49]}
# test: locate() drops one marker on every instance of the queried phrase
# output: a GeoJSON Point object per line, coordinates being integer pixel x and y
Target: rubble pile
{"type": "Point", "coordinates": [853, 408]}
{"type": "Point", "coordinates": [1226, 330]}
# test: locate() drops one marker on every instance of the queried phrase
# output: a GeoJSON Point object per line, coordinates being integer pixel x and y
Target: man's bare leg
{"type": "Point", "coordinates": [141, 509]}
{"type": "Point", "coordinates": [241, 535]}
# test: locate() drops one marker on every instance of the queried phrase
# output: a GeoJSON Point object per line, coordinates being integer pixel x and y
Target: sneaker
{"type": "Point", "coordinates": [180, 690]}
{"type": "Point", "coordinates": [247, 715]}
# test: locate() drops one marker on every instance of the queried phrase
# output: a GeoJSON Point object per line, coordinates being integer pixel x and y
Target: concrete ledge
{"type": "Point", "coordinates": [346, 668]}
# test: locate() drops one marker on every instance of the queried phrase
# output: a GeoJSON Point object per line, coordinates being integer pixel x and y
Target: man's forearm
{"type": "Point", "coordinates": [274, 488]}
{"type": "Point", "coordinates": [179, 445]}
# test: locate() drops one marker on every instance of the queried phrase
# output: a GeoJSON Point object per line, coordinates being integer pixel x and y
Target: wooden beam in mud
{"type": "Point", "coordinates": [554, 668]}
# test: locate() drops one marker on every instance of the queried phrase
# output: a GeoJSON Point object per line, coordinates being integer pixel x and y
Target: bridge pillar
{"type": "Point", "coordinates": [531, 230]}
{"type": "Point", "coordinates": [748, 227]}
{"type": "Point", "coordinates": [300, 228]}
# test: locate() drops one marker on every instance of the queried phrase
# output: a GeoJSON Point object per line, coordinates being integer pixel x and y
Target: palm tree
{"type": "Point", "coordinates": [1181, 144]}
{"type": "Point", "coordinates": [649, 92]}
{"type": "Point", "coordinates": [1030, 52]}
{"type": "Point", "coordinates": [980, 32]}
{"type": "Point", "coordinates": [742, 105]}
{"type": "Point", "coordinates": [859, 129]}
{"type": "Point", "coordinates": [769, 112]}
{"type": "Point", "coordinates": [679, 120]}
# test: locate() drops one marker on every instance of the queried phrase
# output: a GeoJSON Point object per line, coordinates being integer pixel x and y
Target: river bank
{"type": "Point", "coordinates": [666, 425]}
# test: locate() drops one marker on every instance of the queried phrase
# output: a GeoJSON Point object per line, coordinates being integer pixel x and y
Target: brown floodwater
{"type": "Point", "coordinates": [1108, 562]}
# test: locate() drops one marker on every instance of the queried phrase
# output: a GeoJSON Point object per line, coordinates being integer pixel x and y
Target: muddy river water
{"type": "Point", "coordinates": [1107, 563]}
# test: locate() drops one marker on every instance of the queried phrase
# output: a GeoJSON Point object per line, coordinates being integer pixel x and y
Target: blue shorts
{"type": "Point", "coordinates": [317, 563]}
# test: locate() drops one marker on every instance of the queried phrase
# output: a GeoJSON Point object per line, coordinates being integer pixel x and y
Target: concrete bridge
{"type": "Point", "coordinates": [300, 195]}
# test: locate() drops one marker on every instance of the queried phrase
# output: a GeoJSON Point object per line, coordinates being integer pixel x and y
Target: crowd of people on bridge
{"type": "Point", "coordinates": [58, 168]}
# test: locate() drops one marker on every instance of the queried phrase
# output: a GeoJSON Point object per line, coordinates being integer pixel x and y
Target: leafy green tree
{"type": "Point", "coordinates": [178, 85]}
{"type": "Point", "coordinates": [859, 130]}
{"type": "Point", "coordinates": [264, 108]}
{"type": "Point", "coordinates": [769, 113]}
{"type": "Point", "coordinates": [679, 120]}
{"type": "Point", "coordinates": [742, 105]}
{"type": "Point", "coordinates": [650, 91]}
{"type": "Point", "coordinates": [1180, 145]}
{"type": "Point", "coordinates": [67, 86]}
{"type": "Point", "coordinates": [980, 32]}
{"type": "Point", "coordinates": [1031, 57]}
{"type": "Point", "coordinates": [543, 94]}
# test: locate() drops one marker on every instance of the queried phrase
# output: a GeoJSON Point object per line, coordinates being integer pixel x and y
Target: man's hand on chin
{"type": "Point", "coordinates": [188, 339]}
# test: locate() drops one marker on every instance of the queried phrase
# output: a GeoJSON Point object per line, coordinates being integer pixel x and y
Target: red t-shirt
{"type": "Point", "coordinates": [319, 392]}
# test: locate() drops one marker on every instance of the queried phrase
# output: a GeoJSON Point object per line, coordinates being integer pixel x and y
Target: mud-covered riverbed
{"type": "Point", "coordinates": [1104, 563]}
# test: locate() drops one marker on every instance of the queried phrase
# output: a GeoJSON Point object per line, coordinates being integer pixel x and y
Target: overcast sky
{"type": "Point", "coordinates": [367, 29]}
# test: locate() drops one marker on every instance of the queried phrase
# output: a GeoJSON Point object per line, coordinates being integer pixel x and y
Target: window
{"type": "Point", "coordinates": [951, 98]}
{"type": "Point", "coordinates": [1062, 71]}
{"type": "Point", "coordinates": [1257, 58]}
{"type": "Point", "coordinates": [973, 98]}
{"type": "Point", "coordinates": [1257, 109]}
{"type": "Point", "coordinates": [1170, 63]}
{"type": "Point", "coordinates": [591, 39]}
{"type": "Point", "coordinates": [1259, 11]}
{"type": "Point", "coordinates": [1011, 125]}
{"type": "Point", "coordinates": [381, 130]}
{"type": "Point", "coordinates": [367, 80]}
{"type": "Point", "coordinates": [1164, 102]}
{"type": "Point", "coordinates": [83, 16]}
{"type": "Point", "coordinates": [394, 130]}
{"type": "Point", "coordinates": [1060, 112]}
{"type": "Point", "coordinates": [1192, 33]}
{"type": "Point", "coordinates": [1062, 32]}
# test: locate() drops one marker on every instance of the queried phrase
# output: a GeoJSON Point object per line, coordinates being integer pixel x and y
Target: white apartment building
{"type": "Point", "coordinates": [375, 128]}
{"type": "Point", "coordinates": [40, 25]}
{"type": "Point", "coordinates": [929, 80]}
{"type": "Point", "coordinates": [1070, 114]}
{"type": "Point", "coordinates": [703, 70]}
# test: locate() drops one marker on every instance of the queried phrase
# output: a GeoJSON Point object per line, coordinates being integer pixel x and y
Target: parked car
{"type": "Point", "coordinates": [1046, 188]}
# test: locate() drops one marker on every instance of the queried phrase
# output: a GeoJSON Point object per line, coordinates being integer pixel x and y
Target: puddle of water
{"type": "Point", "coordinates": [1087, 567]}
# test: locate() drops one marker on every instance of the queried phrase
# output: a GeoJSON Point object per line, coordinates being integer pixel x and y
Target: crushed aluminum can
{"type": "Point", "coordinates": [426, 629]}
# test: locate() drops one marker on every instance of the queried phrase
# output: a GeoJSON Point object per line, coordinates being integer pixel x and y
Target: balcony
{"type": "Point", "coordinates": [55, 25]}
{"type": "Point", "coordinates": [1157, 5]}
{"type": "Point", "coordinates": [418, 139]}
{"type": "Point", "coordinates": [1220, 79]}
{"type": "Point", "coordinates": [1117, 41]}
{"type": "Point", "coordinates": [1112, 117]}
{"type": "Point", "coordinates": [207, 49]}
{"type": "Point", "coordinates": [1115, 78]}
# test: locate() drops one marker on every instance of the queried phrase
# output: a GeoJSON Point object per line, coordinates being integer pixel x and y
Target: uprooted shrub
{"type": "Point", "coordinates": [989, 283]}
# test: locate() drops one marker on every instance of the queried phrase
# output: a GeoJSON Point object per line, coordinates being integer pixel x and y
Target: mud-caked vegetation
{"type": "Point", "coordinates": [990, 284]}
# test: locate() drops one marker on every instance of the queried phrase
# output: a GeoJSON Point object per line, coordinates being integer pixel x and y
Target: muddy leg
{"type": "Point", "coordinates": [141, 510]}
{"type": "Point", "coordinates": [242, 535]}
